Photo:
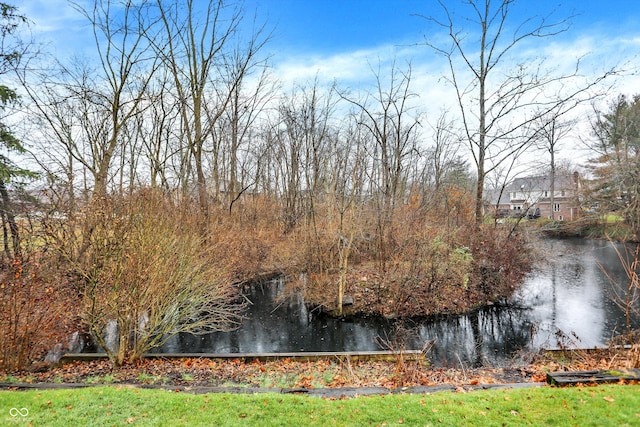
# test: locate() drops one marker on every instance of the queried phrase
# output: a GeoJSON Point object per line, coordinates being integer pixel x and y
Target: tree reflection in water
{"type": "Point", "coordinates": [567, 291]}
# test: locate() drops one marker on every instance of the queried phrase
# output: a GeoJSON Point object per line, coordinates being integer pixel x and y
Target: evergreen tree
{"type": "Point", "coordinates": [10, 56]}
{"type": "Point", "coordinates": [616, 167]}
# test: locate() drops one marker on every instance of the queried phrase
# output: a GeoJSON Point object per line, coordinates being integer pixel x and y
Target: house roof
{"type": "Point", "coordinates": [541, 182]}
{"type": "Point", "coordinates": [491, 197]}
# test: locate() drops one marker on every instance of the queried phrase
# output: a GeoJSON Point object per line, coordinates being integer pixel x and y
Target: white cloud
{"type": "Point", "coordinates": [597, 53]}
{"type": "Point", "coordinates": [57, 24]}
{"type": "Point", "coordinates": [49, 16]}
{"type": "Point", "coordinates": [348, 68]}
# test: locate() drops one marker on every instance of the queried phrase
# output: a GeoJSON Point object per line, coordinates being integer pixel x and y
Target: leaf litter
{"type": "Point", "coordinates": [333, 372]}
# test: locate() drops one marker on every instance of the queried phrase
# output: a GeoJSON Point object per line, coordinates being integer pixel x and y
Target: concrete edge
{"type": "Point", "coordinates": [317, 392]}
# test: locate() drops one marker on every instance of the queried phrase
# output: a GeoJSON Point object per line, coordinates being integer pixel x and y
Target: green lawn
{"type": "Point", "coordinates": [614, 405]}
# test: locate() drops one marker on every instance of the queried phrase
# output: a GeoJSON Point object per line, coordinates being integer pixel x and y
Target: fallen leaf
{"type": "Point", "coordinates": [609, 399]}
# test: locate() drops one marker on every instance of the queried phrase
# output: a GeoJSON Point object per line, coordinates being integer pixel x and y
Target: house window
{"type": "Point", "coordinates": [556, 207]}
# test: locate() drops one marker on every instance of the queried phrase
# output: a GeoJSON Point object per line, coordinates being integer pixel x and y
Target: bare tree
{"type": "Point", "coordinates": [126, 68]}
{"type": "Point", "coordinates": [70, 121]}
{"type": "Point", "coordinates": [500, 106]}
{"type": "Point", "coordinates": [86, 110]}
{"type": "Point", "coordinates": [157, 130]}
{"type": "Point", "coordinates": [288, 147]}
{"type": "Point", "coordinates": [236, 130]}
{"type": "Point", "coordinates": [444, 150]}
{"type": "Point", "coordinates": [207, 68]}
{"type": "Point", "coordinates": [307, 115]}
{"type": "Point", "coordinates": [387, 117]}
{"type": "Point", "coordinates": [347, 179]}
{"type": "Point", "coordinates": [552, 130]}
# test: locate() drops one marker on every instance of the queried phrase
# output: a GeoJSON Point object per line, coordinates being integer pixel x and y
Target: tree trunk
{"type": "Point", "coordinates": [11, 220]}
{"type": "Point", "coordinates": [552, 185]}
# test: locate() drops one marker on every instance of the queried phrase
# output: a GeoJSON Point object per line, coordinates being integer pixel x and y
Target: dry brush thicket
{"type": "Point", "coordinates": [141, 266]}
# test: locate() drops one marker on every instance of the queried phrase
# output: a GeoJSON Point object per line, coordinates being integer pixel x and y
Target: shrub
{"type": "Point", "coordinates": [147, 273]}
{"type": "Point", "coordinates": [501, 259]}
{"type": "Point", "coordinates": [35, 314]}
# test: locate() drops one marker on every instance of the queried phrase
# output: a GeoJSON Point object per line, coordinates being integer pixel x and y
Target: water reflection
{"type": "Point", "coordinates": [567, 292]}
{"type": "Point", "coordinates": [570, 292]}
{"type": "Point", "coordinates": [487, 337]}
{"type": "Point", "coordinates": [274, 326]}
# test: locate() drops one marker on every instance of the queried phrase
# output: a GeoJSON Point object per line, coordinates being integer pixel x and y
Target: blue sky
{"type": "Point", "coordinates": [336, 26]}
{"type": "Point", "coordinates": [340, 38]}
{"type": "Point", "coordinates": [313, 35]}
{"type": "Point", "coordinates": [344, 40]}
{"type": "Point", "coordinates": [339, 25]}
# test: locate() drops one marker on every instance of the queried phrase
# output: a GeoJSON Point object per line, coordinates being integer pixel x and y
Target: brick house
{"type": "Point", "coordinates": [532, 196]}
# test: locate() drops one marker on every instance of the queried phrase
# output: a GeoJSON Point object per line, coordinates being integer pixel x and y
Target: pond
{"type": "Point", "coordinates": [566, 298]}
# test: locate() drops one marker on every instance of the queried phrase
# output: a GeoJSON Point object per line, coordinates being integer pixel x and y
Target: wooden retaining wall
{"type": "Point", "coordinates": [264, 357]}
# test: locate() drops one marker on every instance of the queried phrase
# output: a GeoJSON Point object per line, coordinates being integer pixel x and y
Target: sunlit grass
{"type": "Point", "coordinates": [615, 405]}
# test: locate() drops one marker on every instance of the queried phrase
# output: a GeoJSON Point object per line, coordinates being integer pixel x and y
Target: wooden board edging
{"type": "Point", "coordinates": [264, 357]}
{"type": "Point", "coordinates": [592, 377]}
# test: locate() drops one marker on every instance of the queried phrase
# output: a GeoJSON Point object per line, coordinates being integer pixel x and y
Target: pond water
{"type": "Point", "coordinates": [567, 296]}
